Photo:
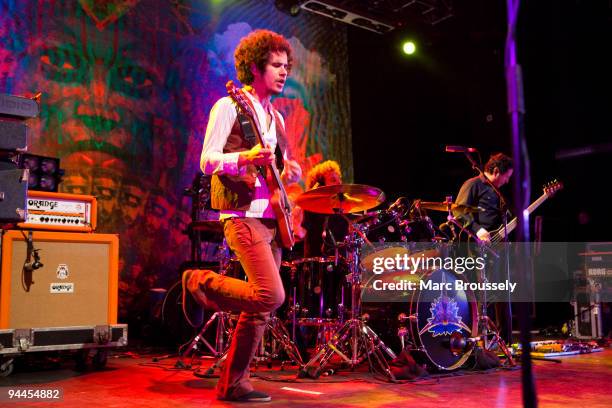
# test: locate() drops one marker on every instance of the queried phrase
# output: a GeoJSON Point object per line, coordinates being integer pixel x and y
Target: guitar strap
{"type": "Point", "coordinates": [249, 135]}
{"type": "Point", "coordinates": [247, 128]}
{"type": "Point", "coordinates": [281, 141]}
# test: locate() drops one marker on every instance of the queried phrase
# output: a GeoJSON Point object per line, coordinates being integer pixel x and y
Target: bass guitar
{"type": "Point", "coordinates": [549, 190]}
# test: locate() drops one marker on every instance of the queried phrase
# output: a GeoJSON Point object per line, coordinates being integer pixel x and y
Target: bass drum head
{"type": "Point", "coordinates": [442, 309]}
{"type": "Point", "coordinates": [174, 326]}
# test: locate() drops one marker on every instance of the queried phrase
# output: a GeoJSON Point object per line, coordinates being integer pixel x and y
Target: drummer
{"type": "Point", "coordinates": [323, 231]}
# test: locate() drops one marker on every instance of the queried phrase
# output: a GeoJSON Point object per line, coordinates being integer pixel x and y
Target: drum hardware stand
{"type": "Point", "coordinates": [279, 341]}
{"type": "Point", "coordinates": [223, 319]}
{"type": "Point", "coordinates": [293, 310]}
{"type": "Point", "coordinates": [362, 340]}
{"type": "Point", "coordinates": [403, 332]}
{"type": "Point", "coordinates": [224, 328]}
{"type": "Point", "coordinates": [490, 338]}
{"type": "Point", "coordinates": [274, 326]}
{"type": "Point", "coordinates": [280, 336]}
{"type": "Point", "coordinates": [489, 332]}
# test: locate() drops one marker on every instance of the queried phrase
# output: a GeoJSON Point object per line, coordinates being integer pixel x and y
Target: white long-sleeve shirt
{"type": "Point", "coordinates": [214, 162]}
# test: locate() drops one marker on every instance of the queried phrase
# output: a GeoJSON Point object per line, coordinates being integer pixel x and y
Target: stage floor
{"type": "Point", "coordinates": [136, 380]}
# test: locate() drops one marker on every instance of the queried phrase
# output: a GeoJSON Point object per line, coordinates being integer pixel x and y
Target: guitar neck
{"type": "Point", "coordinates": [501, 234]}
{"type": "Point", "coordinates": [277, 180]}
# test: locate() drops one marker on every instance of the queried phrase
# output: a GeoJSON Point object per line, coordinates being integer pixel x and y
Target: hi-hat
{"type": "Point", "coordinates": [442, 206]}
{"type": "Point", "coordinates": [341, 198]}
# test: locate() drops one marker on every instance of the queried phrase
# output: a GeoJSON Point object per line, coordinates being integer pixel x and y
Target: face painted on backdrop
{"type": "Point", "coordinates": [132, 200]}
{"type": "Point", "coordinates": [8, 59]}
{"type": "Point", "coordinates": [101, 94]}
{"type": "Point", "coordinates": [159, 210]}
{"type": "Point", "coordinates": [297, 120]}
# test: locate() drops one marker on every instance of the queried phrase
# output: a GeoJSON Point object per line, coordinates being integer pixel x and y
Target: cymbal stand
{"type": "Point", "coordinates": [489, 333]}
{"type": "Point", "coordinates": [278, 339]}
{"type": "Point", "coordinates": [276, 335]}
{"type": "Point", "coordinates": [354, 341]}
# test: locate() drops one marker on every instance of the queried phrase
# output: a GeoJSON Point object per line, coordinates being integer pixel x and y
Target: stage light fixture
{"type": "Point", "coordinates": [346, 16]}
{"type": "Point", "coordinates": [291, 7]}
{"type": "Point", "coordinates": [409, 48]}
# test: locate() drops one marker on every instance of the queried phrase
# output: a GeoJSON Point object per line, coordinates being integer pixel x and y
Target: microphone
{"type": "Point", "coordinates": [460, 149]}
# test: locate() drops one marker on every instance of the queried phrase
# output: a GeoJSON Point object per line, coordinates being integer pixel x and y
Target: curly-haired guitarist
{"type": "Point", "coordinates": [242, 167]}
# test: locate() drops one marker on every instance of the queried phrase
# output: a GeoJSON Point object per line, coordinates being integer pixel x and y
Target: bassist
{"type": "Point", "coordinates": [477, 192]}
{"type": "Point", "coordinates": [483, 191]}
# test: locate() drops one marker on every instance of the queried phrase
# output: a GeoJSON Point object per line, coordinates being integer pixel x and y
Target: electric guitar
{"type": "Point", "coordinates": [279, 200]}
{"type": "Point", "coordinates": [549, 190]}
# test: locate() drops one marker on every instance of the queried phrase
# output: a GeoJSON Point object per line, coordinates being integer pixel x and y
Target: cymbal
{"type": "Point", "coordinates": [341, 198]}
{"type": "Point", "coordinates": [442, 206]}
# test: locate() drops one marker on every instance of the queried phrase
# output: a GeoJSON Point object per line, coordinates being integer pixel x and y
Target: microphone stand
{"type": "Point", "coordinates": [522, 185]}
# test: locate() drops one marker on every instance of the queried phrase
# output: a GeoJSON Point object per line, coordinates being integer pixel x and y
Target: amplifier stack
{"type": "Point", "coordinates": [14, 111]}
{"type": "Point", "coordinates": [59, 280]}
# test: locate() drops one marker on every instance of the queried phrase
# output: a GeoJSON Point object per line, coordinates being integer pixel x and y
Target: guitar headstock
{"type": "Point", "coordinates": [239, 97]}
{"type": "Point", "coordinates": [552, 187]}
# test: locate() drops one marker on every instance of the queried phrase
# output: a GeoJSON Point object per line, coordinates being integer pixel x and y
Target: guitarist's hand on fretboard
{"type": "Point", "coordinates": [257, 156]}
{"type": "Point", "coordinates": [484, 236]}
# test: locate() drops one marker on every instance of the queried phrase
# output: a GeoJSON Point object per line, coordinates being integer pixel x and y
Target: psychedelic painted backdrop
{"type": "Point", "coordinates": [127, 87]}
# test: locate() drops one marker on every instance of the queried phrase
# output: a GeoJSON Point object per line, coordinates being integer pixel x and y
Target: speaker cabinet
{"type": "Point", "coordinates": [76, 285]}
{"type": "Point", "coordinates": [13, 193]}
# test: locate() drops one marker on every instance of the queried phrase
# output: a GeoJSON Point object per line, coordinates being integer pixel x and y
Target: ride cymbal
{"type": "Point", "coordinates": [341, 198]}
{"type": "Point", "coordinates": [442, 206]}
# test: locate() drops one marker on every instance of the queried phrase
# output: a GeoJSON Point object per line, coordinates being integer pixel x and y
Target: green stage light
{"type": "Point", "coordinates": [409, 48]}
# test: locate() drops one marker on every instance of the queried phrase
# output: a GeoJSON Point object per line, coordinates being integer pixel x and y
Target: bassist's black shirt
{"type": "Point", "coordinates": [477, 193]}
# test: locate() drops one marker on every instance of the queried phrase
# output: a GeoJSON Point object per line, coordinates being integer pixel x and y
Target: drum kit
{"type": "Point", "coordinates": [324, 294]}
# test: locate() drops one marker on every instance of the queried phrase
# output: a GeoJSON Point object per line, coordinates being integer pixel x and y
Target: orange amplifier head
{"type": "Point", "coordinates": [60, 212]}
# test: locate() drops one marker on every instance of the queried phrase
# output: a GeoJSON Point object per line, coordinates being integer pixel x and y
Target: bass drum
{"type": "Point", "coordinates": [440, 311]}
